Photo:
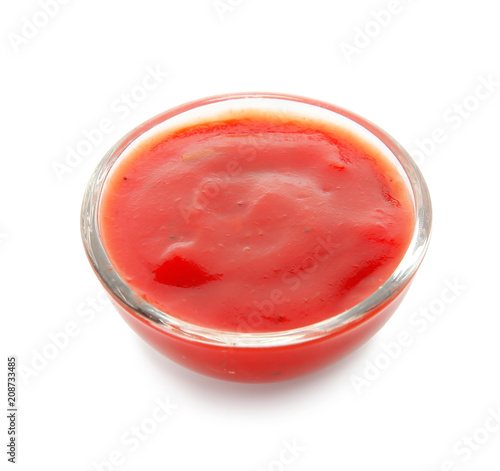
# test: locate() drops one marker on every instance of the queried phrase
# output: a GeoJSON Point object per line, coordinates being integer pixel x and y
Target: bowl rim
{"type": "Point", "coordinates": [134, 304]}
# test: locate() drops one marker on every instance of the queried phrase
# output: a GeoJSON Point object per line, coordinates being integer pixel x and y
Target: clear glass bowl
{"type": "Point", "coordinates": [257, 356]}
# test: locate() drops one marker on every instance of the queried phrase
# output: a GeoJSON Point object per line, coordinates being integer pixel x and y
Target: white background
{"type": "Point", "coordinates": [410, 77]}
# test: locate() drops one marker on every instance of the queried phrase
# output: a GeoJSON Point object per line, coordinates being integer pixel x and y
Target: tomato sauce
{"type": "Point", "coordinates": [255, 224]}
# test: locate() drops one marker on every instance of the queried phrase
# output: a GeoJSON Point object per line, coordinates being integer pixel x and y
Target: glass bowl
{"type": "Point", "coordinates": [247, 356]}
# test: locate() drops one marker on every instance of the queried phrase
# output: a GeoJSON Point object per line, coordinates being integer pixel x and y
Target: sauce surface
{"type": "Point", "coordinates": [254, 224]}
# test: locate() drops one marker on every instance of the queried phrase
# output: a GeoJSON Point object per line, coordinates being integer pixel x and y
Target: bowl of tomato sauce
{"type": "Point", "coordinates": [256, 237]}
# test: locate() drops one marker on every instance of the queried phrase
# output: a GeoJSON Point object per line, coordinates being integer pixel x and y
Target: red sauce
{"type": "Point", "coordinates": [254, 223]}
